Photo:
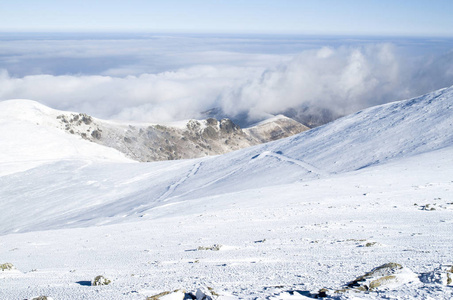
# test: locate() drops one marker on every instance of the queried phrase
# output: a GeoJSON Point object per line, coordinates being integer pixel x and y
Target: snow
{"type": "Point", "coordinates": [312, 211]}
{"type": "Point", "coordinates": [270, 120]}
{"type": "Point", "coordinates": [139, 141]}
{"type": "Point", "coordinates": [29, 138]}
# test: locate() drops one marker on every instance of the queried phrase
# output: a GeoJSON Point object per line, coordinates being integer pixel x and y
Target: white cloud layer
{"type": "Point", "coordinates": [341, 78]}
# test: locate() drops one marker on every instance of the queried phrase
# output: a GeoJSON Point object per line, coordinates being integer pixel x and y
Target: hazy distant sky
{"type": "Point", "coordinates": [369, 17]}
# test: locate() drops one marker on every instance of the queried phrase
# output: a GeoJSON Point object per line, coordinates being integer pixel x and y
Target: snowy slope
{"type": "Point", "coordinates": [275, 241]}
{"type": "Point", "coordinates": [114, 192]}
{"type": "Point", "coordinates": [30, 137]}
{"type": "Point", "coordinates": [311, 211]}
{"type": "Point", "coordinates": [376, 135]}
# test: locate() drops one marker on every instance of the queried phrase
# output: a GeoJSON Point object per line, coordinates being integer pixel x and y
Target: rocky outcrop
{"type": "Point", "coordinates": [197, 138]}
{"type": "Point", "coordinates": [6, 267]}
{"type": "Point", "coordinates": [382, 277]}
{"type": "Point", "coordinates": [275, 128]}
{"type": "Point", "coordinates": [207, 293]}
{"type": "Point", "coordinates": [389, 275]}
{"type": "Point", "coordinates": [100, 280]}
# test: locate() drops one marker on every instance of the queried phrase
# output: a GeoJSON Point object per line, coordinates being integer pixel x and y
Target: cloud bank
{"type": "Point", "coordinates": [343, 79]}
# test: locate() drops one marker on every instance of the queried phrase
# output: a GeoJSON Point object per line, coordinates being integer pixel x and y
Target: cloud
{"type": "Point", "coordinates": [172, 83]}
{"type": "Point", "coordinates": [165, 96]}
{"type": "Point", "coordinates": [343, 80]}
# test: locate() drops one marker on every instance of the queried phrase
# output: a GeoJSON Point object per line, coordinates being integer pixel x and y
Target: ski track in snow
{"type": "Point", "coordinates": [209, 183]}
{"type": "Point", "coordinates": [280, 157]}
{"type": "Point", "coordinates": [300, 163]}
{"type": "Point", "coordinates": [174, 186]}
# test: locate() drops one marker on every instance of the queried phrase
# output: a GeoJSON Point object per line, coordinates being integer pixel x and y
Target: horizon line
{"type": "Point", "coordinates": [230, 33]}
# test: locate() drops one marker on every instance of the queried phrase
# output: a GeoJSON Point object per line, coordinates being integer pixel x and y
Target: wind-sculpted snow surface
{"type": "Point", "coordinates": [298, 217]}
{"type": "Point", "coordinates": [277, 241]}
{"type": "Point", "coordinates": [376, 135]}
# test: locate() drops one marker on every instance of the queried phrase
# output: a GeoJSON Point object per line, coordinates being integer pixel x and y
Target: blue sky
{"type": "Point", "coordinates": [355, 17]}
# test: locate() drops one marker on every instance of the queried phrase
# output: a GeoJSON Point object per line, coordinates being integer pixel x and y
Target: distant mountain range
{"type": "Point", "coordinates": [307, 115]}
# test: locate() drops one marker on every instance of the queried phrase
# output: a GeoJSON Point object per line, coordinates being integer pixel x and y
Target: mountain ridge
{"type": "Point", "coordinates": [154, 142]}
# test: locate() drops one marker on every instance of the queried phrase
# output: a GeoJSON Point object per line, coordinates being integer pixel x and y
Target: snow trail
{"type": "Point", "coordinates": [298, 162]}
{"type": "Point", "coordinates": [171, 189]}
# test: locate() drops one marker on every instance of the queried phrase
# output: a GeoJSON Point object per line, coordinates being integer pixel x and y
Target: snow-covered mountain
{"type": "Point", "coordinates": [30, 136]}
{"type": "Point", "coordinates": [149, 142]}
{"type": "Point", "coordinates": [369, 194]}
{"type": "Point", "coordinates": [311, 116]}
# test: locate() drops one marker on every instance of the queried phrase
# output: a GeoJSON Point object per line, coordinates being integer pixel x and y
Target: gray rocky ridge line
{"type": "Point", "coordinates": [198, 138]}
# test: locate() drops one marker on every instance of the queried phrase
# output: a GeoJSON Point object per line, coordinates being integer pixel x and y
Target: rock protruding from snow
{"type": "Point", "coordinates": [207, 293]}
{"type": "Point", "coordinates": [275, 128]}
{"type": "Point", "coordinates": [198, 138]}
{"type": "Point", "coordinates": [100, 280]}
{"type": "Point", "coordinates": [214, 247]}
{"type": "Point", "coordinates": [7, 267]}
{"type": "Point", "coordinates": [382, 277]}
{"type": "Point", "coordinates": [175, 295]}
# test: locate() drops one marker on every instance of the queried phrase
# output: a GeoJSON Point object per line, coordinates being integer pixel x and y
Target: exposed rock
{"type": "Point", "coordinates": [210, 133]}
{"type": "Point", "coordinates": [86, 119]}
{"type": "Point", "coordinates": [7, 267]}
{"type": "Point", "coordinates": [214, 247]}
{"type": "Point", "coordinates": [311, 116]}
{"type": "Point", "coordinates": [100, 280]}
{"type": "Point", "coordinates": [207, 293]}
{"type": "Point", "coordinates": [96, 134]}
{"type": "Point", "coordinates": [226, 125]}
{"type": "Point", "coordinates": [370, 244]}
{"type": "Point", "coordinates": [212, 122]}
{"type": "Point", "coordinates": [275, 128]}
{"type": "Point", "coordinates": [175, 295]}
{"type": "Point", "coordinates": [197, 139]}
{"type": "Point", "coordinates": [389, 274]}
{"type": "Point", "coordinates": [193, 125]}
{"type": "Point", "coordinates": [322, 293]}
